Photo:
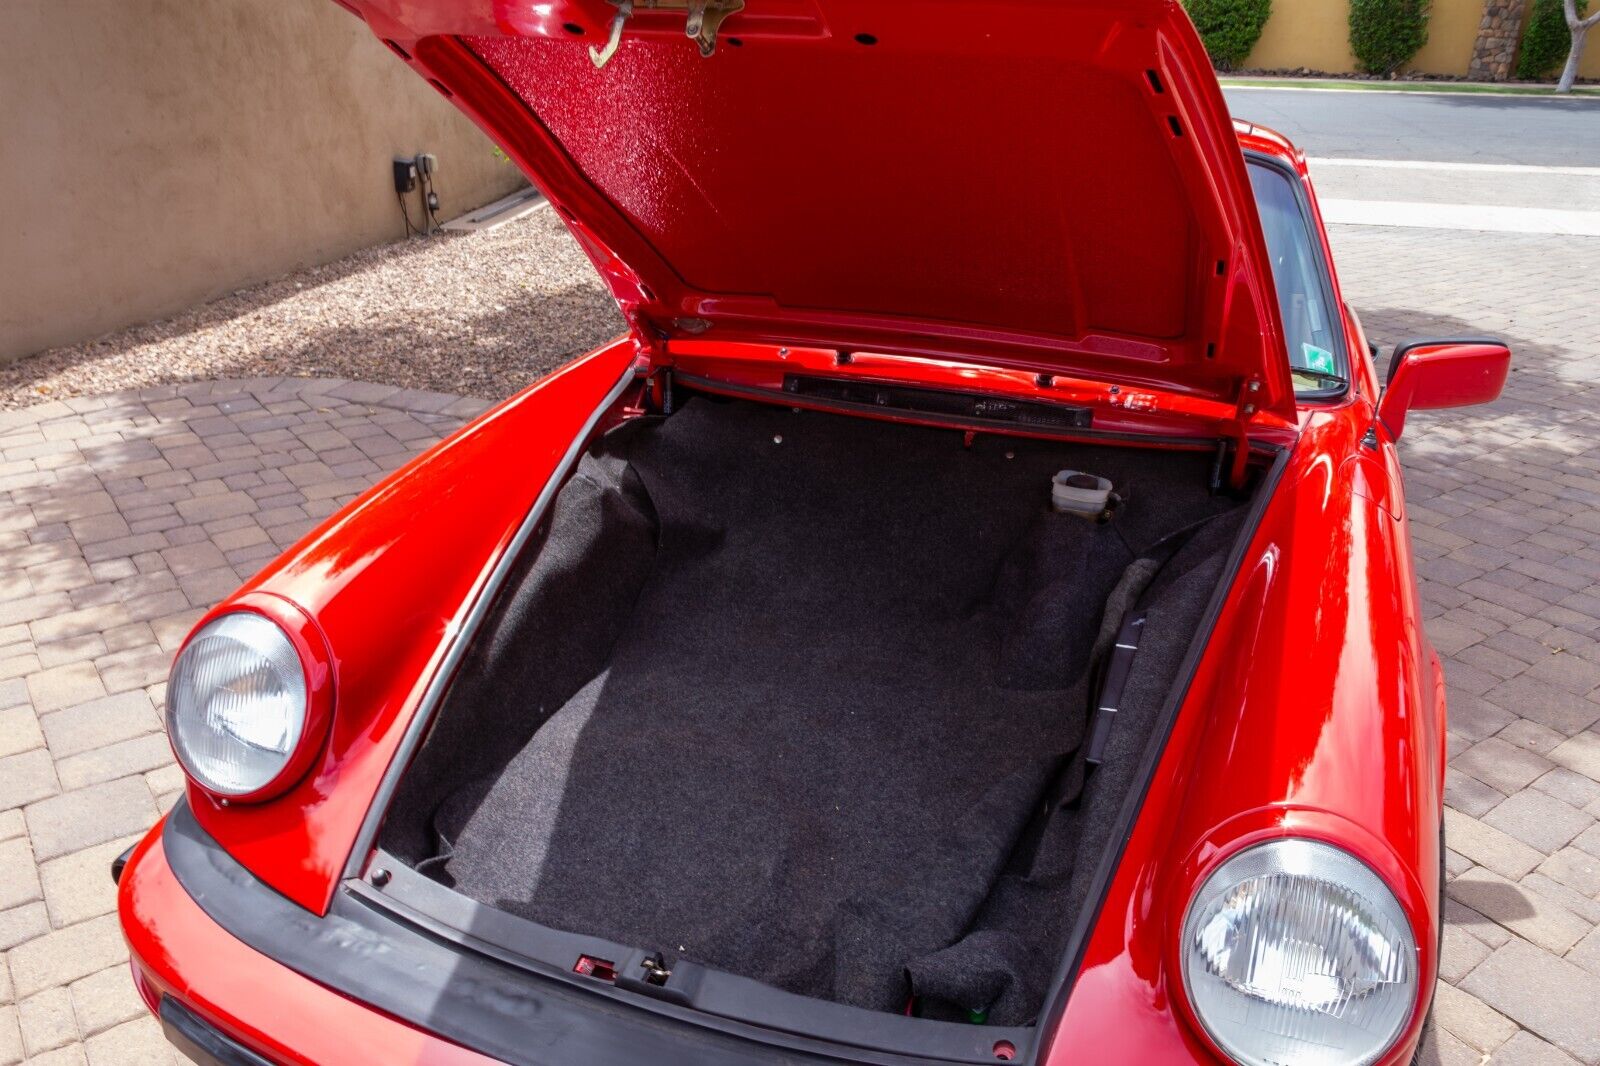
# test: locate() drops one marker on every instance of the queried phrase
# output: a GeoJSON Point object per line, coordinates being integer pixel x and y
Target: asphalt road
{"type": "Point", "coordinates": [1445, 127]}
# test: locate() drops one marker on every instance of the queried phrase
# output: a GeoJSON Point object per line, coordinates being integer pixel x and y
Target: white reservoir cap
{"type": "Point", "coordinates": [1074, 492]}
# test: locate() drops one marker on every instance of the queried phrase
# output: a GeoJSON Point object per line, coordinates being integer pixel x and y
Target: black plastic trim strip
{"type": "Point", "coordinates": [200, 1041]}
{"type": "Point", "coordinates": [367, 950]}
{"type": "Point", "coordinates": [1014, 429]}
{"type": "Point", "coordinates": [553, 953]}
{"type": "Point", "coordinates": [1118, 670]}
{"type": "Point", "coordinates": [988, 408]}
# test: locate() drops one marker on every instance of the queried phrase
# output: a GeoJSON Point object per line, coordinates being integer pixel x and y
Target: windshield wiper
{"type": "Point", "coordinates": [1331, 381]}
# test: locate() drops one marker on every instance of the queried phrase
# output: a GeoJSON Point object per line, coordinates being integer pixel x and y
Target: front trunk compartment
{"type": "Point", "coordinates": [805, 698]}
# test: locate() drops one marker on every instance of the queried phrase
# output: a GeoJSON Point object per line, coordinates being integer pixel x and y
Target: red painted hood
{"type": "Point", "coordinates": [1047, 184]}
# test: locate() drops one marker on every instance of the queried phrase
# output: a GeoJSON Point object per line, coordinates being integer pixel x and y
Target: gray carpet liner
{"type": "Point", "coordinates": [783, 693]}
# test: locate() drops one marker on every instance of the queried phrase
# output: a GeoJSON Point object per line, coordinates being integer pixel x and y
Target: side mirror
{"type": "Point", "coordinates": [1427, 374]}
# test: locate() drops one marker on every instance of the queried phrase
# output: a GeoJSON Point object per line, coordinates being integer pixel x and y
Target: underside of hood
{"type": "Point", "coordinates": [1045, 184]}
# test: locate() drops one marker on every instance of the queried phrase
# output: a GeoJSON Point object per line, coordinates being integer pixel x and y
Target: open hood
{"type": "Point", "coordinates": [1045, 184]}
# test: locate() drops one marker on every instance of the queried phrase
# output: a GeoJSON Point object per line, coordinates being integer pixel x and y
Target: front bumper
{"type": "Point", "coordinates": [251, 1003]}
{"type": "Point", "coordinates": [201, 1041]}
{"type": "Point", "coordinates": [364, 984]}
{"type": "Point", "coordinates": [241, 976]}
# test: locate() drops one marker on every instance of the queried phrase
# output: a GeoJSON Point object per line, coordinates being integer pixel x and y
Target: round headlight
{"type": "Point", "coordinates": [1295, 952]}
{"type": "Point", "coordinates": [236, 704]}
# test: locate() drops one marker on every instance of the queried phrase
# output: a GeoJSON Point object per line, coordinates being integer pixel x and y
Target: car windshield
{"type": "Point", "coordinates": [1310, 324]}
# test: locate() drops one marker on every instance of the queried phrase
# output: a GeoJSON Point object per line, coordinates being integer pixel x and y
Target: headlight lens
{"type": "Point", "coordinates": [1295, 952]}
{"type": "Point", "coordinates": [236, 704]}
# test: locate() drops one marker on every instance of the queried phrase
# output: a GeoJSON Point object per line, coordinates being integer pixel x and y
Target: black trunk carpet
{"type": "Point", "coordinates": [848, 681]}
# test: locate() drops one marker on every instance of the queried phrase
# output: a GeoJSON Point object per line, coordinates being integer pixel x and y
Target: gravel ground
{"type": "Point", "coordinates": [479, 314]}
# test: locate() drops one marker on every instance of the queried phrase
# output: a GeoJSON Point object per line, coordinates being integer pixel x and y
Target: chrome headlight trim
{"type": "Point", "coordinates": [237, 704]}
{"type": "Point", "coordinates": [1294, 951]}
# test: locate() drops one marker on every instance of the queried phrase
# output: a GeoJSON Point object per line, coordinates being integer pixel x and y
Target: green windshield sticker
{"type": "Point", "coordinates": [1318, 358]}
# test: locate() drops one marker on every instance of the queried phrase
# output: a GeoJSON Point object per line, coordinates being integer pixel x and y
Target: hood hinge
{"type": "Point", "coordinates": [652, 362]}
{"type": "Point", "coordinates": [649, 342]}
{"type": "Point", "coordinates": [1244, 413]}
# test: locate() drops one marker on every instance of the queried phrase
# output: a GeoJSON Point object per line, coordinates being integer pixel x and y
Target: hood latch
{"type": "Point", "coordinates": [705, 18]}
{"type": "Point", "coordinates": [702, 20]}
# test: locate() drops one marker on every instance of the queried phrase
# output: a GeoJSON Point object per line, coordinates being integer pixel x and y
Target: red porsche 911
{"type": "Point", "coordinates": [968, 617]}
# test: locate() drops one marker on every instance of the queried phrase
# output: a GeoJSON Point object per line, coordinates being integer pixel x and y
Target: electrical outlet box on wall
{"type": "Point", "coordinates": [405, 175]}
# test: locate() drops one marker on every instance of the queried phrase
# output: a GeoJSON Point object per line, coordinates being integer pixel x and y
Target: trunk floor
{"type": "Point", "coordinates": [801, 723]}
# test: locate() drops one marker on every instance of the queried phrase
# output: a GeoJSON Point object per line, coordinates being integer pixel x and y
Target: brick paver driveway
{"type": "Point", "coordinates": [121, 518]}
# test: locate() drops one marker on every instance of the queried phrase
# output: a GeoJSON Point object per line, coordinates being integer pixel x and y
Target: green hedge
{"type": "Point", "coordinates": [1229, 28]}
{"type": "Point", "coordinates": [1546, 40]}
{"type": "Point", "coordinates": [1384, 34]}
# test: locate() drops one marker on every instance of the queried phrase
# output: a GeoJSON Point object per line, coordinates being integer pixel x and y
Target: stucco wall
{"type": "Point", "coordinates": [1315, 35]}
{"type": "Point", "coordinates": [1452, 30]}
{"type": "Point", "coordinates": [164, 152]}
{"type": "Point", "coordinates": [1305, 33]}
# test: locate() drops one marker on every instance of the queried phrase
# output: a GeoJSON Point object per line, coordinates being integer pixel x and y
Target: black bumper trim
{"type": "Point", "coordinates": [203, 1043]}
{"type": "Point", "coordinates": [120, 863]}
{"type": "Point", "coordinates": [375, 957]}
